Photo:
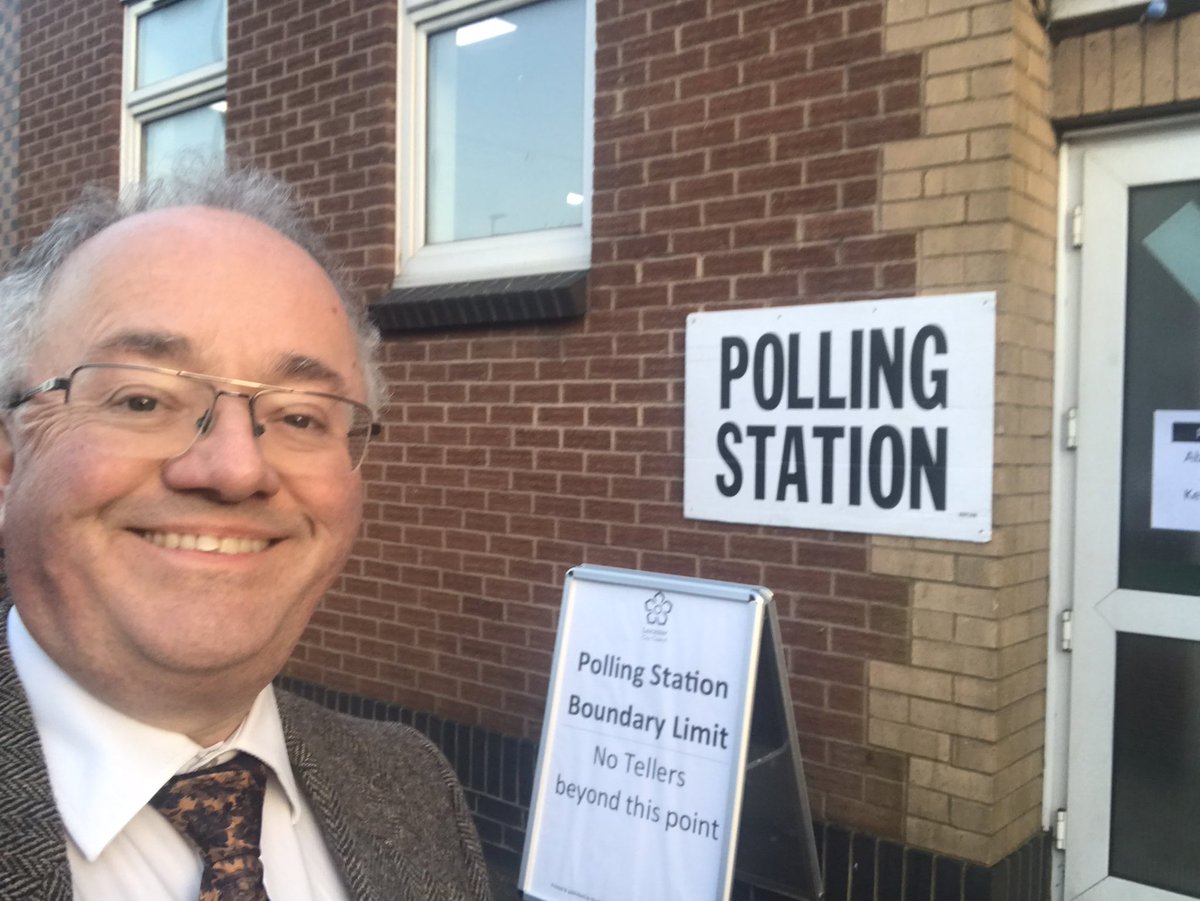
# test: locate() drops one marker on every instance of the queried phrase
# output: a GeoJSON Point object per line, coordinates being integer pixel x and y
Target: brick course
{"type": "Point", "coordinates": [979, 186]}
{"type": "Point", "coordinates": [727, 173]}
{"type": "Point", "coordinates": [70, 105]}
{"type": "Point", "coordinates": [10, 57]}
{"type": "Point", "coordinates": [1126, 69]}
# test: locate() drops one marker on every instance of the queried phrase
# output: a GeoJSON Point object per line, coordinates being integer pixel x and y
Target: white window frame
{"type": "Point", "coordinates": [1070, 9]}
{"type": "Point", "coordinates": [141, 106]}
{"type": "Point", "coordinates": [527, 253]}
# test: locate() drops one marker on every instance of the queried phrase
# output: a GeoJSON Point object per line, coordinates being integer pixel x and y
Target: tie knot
{"type": "Point", "coordinates": [220, 810]}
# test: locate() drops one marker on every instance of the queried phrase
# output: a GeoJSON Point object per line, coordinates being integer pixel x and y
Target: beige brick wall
{"type": "Point", "coordinates": [1131, 67]}
{"type": "Point", "coordinates": [979, 188]}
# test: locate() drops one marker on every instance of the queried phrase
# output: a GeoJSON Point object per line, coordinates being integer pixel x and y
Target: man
{"type": "Point", "coordinates": [188, 396]}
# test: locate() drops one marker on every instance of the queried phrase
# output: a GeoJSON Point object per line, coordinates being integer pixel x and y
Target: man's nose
{"type": "Point", "coordinates": [226, 456]}
{"type": "Point", "coordinates": [204, 423]}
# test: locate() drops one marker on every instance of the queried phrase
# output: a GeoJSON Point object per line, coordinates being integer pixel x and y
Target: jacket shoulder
{"type": "Point", "coordinates": [394, 791]}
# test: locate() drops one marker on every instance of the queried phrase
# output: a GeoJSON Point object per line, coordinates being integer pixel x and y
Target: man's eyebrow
{"type": "Point", "coordinates": [152, 345]}
{"type": "Point", "coordinates": [179, 350]}
{"type": "Point", "coordinates": [297, 367]}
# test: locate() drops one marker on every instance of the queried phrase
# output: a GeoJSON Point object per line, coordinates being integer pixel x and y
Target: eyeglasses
{"type": "Point", "coordinates": [145, 411]}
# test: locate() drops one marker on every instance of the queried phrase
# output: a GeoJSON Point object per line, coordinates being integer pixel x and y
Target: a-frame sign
{"type": "Point", "coordinates": [668, 762]}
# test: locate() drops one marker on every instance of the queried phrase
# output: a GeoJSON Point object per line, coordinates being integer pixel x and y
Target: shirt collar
{"type": "Point", "coordinates": [104, 766]}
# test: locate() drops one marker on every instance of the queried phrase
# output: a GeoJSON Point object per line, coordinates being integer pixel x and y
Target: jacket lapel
{"type": "Point", "coordinates": [33, 855]}
{"type": "Point", "coordinates": [373, 869]}
{"type": "Point", "coordinates": [328, 809]}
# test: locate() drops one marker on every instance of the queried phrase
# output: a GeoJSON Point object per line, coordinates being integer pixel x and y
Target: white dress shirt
{"type": "Point", "coordinates": [104, 767]}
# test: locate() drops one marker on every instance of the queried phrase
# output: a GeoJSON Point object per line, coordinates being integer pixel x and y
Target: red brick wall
{"type": "Point", "coordinates": [737, 163]}
{"type": "Point", "coordinates": [312, 98]}
{"type": "Point", "coordinates": [70, 104]}
{"type": "Point", "coordinates": [10, 58]}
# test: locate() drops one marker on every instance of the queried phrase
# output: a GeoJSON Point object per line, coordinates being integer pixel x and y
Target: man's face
{"type": "Point", "coordinates": [87, 528]}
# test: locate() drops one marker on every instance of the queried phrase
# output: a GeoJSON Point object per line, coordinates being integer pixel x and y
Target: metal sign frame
{"type": "Point", "coordinates": [776, 774]}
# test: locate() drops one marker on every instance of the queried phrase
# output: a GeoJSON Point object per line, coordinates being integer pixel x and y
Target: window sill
{"type": "Point", "coordinates": [529, 298]}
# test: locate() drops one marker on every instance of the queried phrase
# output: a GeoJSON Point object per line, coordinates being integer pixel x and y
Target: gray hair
{"type": "Point", "coordinates": [251, 193]}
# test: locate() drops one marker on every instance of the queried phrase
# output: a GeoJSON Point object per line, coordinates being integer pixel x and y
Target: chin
{"type": "Point", "coordinates": [222, 654]}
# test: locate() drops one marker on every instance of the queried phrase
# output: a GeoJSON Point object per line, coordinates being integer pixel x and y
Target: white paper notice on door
{"type": "Point", "coordinates": [1175, 482]}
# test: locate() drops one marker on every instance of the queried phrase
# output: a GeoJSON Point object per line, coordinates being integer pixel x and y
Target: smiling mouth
{"type": "Point", "coordinates": [209, 544]}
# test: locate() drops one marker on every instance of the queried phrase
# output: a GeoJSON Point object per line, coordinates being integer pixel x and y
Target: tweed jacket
{"type": "Point", "coordinates": [389, 806]}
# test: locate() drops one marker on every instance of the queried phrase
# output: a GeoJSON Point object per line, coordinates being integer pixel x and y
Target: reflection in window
{"type": "Point", "coordinates": [505, 120]}
{"type": "Point", "coordinates": [1162, 372]}
{"type": "Point", "coordinates": [179, 38]}
{"type": "Point", "coordinates": [174, 92]}
{"type": "Point", "coordinates": [1156, 768]}
{"type": "Point", "coordinates": [196, 133]}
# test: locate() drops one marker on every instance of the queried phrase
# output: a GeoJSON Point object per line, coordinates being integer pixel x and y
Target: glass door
{"type": "Point", "coordinates": [1133, 782]}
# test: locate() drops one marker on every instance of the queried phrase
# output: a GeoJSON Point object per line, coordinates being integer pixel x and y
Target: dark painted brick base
{"type": "Point", "coordinates": [860, 867]}
{"type": "Point", "coordinates": [496, 771]}
{"type": "Point", "coordinates": [497, 775]}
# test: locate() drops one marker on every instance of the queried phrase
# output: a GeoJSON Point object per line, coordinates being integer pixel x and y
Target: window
{"type": "Point", "coordinates": [496, 139]}
{"type": "Point", "coordinates": [174, 88]}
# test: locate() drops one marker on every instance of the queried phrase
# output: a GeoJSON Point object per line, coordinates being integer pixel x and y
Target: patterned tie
{"type": "Point", "coordinates": [220, 810]}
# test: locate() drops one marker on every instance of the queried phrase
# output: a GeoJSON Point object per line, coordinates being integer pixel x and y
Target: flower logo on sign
{"type": "Point", "coordinates": [657, 609]}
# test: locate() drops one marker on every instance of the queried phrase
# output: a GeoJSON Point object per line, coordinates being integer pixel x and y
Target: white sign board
{"type": "Point", "coordinates": [638, 785]}
{"type": "Point", "coordinates": [1175, 483]}
{"type": "Point", "coordinates": [873, 416]}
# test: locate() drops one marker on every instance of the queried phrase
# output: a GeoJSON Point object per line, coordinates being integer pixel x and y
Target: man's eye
{"type": "Point", "coordinates": [132, 402]}
{"type": "Point", "coordinates": [139, 403]}
{"type": "Point", "coordinates": [144, 400]}
{"type": "Point", "coordinates": [303, 421]}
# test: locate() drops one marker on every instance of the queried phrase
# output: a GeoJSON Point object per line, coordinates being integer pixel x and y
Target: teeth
{"type": "Point", "coordinates": [209, 544]}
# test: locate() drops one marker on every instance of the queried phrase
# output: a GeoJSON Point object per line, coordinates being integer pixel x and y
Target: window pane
{"type": "Point", "coordinates": [179, 38]}
{"type": "Point", "coordinates": [1156, 770]}
{"type": "Point", "coordinates": [505, 118]}
{"type": "Point", "coordinates": [1162, 372]}
{"type": "Point", "coordinates": [197, 133]}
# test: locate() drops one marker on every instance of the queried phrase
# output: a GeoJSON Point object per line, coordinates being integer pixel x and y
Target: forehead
{"type": "Point", "coordinates": [237, 293]}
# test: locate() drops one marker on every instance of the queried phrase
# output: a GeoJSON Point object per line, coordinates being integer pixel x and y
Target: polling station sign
{"type": "Point", "coordinates": [639, 778]}
{"type": "Point", "coordinates": [871, 416]}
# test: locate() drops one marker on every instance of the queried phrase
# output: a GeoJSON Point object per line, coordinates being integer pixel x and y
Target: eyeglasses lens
{"type": "Point", "coordinates": [148, 413]}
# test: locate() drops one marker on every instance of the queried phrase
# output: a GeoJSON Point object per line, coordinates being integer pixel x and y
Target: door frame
{"type": "Point", "coordinates": [1067, 501]}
